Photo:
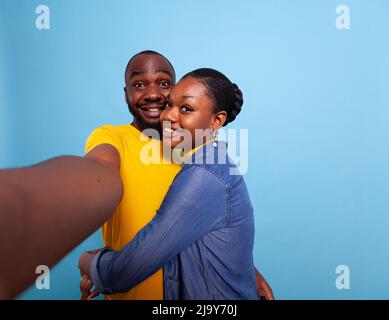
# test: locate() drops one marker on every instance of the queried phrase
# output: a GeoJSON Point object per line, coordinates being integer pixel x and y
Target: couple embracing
{"type": "Point", "coordinates": [183, 229]}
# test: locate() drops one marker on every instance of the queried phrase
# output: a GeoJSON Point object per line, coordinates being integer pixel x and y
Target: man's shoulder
{"type": "Point", "coordinates": [123, 131]}
{"type": "Point", "coordinates": [116, 135]}
{"type": "Point", "coordinates": [113, 128]}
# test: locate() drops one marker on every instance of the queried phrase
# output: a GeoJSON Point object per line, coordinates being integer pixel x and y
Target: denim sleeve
{"type": "Point", "coordinates": [195, 204]}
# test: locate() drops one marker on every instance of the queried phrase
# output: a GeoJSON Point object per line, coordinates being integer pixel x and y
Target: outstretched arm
{"type": "Point", "coordinates": [49, 208]}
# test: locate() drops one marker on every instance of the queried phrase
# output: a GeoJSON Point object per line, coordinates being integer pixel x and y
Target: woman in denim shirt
{"type": "Point", "coordinates": [203, 234]}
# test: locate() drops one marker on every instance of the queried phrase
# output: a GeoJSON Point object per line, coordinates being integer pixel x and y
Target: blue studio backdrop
{"type": "Point", "coordinates": [315, 77]}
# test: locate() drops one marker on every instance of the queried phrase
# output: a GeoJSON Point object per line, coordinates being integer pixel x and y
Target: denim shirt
{"type": "Point", "coordinates": [202, 236]}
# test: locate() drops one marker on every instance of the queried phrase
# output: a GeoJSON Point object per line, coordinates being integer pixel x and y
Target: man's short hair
{"type": "Point", "coordinates": [147, 52]}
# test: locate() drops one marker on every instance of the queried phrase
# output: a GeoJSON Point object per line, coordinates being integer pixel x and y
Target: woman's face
{"type": "Point", "coordinates": [189, 111]}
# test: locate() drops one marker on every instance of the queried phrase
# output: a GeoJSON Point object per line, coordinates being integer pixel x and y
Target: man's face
{"type": "Point", "coordinates": [149, 78]}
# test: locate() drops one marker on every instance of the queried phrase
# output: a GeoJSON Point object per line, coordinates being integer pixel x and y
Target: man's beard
{"type": "Point", "coordinates": [142, 123]}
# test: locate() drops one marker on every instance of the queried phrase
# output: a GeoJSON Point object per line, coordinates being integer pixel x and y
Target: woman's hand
{"type": "Point", "coordinates": [85, 287]}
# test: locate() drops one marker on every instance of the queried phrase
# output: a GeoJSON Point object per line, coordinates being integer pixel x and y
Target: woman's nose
{"type": "Point", "coordinates": [170, 114]}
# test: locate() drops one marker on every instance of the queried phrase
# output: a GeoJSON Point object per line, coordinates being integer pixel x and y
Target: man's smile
{"type": "Point", "coordinates": [152, 110]}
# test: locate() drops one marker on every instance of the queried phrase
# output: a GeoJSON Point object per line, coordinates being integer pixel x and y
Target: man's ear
{"type": "Point", "coordinates": [218, 120]}
{"type": "Point", "coordinates": [125, 95]}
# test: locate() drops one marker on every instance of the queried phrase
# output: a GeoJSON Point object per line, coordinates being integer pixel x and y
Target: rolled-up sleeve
{"type": "Point", "coordinates": [196, 203]}
{"type": "Point", "coordinates": [94, 273]}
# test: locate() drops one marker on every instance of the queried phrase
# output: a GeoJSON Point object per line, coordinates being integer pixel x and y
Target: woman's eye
{"type": "Point", "coordinates": [165, 83]}
{"type": "Point", "coordinates": [186, 109]}
{"type": "Point", "coordinates": [167, 105]}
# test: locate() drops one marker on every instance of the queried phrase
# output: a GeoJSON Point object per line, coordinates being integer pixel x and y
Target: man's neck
{"type": "Point", "coordinates": [140, 128]}
{"type": "Point", "coordinates": [136, 126]}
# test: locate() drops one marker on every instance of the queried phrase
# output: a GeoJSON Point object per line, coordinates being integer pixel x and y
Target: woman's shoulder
{"type": "Point", "coordinates": [214, 159]}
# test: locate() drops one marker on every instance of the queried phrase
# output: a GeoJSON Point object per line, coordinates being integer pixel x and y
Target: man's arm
{"type": "Point", "coordinates": [49, 208]}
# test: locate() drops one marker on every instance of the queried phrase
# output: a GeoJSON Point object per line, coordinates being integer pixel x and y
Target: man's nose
{"type": "Point", "coordinates": [153, 94]}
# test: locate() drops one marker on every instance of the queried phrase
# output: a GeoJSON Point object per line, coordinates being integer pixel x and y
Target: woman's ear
{"type": "Point", "coordinates": [218, 120]}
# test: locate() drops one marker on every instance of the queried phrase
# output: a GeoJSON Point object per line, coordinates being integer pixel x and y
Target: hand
{"type": "Point", "coordinates": [263, 288]}
{"type": "Point", "coordinates": [86, 285]}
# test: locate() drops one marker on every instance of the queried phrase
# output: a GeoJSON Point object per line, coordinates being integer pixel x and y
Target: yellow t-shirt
{"type": "Point", "coordinates": [145, 186]}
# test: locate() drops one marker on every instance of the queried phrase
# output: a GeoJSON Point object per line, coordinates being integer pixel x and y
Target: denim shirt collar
{"type": "Point", "coordinates": [208, 153]}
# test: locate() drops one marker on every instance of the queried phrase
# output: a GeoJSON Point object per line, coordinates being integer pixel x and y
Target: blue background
{"type": "Point", "coordinates": [316, 106]}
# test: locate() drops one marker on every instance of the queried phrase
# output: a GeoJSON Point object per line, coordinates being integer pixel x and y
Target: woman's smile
{"type": "Point", "coordinates": [171, 133]}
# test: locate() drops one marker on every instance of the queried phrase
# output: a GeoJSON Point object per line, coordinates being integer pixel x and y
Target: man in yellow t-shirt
{"type": "Point", "coordinates": [149, 77]}
{"type": "Point", "coordinates": [145, 186]}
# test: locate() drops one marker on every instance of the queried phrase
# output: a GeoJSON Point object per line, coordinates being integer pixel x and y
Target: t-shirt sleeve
{"type": "Point", "coordinates": [106, 134]}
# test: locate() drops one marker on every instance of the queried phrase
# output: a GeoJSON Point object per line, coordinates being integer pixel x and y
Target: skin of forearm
{"type": "Point", "coordinates": [48, 209]}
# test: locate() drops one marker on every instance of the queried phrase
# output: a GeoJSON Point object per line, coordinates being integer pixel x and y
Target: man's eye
{"type": "Point", "coordinates": [164, 83]}
{"type": "Point", "coordinates": [138, 85]}
{"type": "Point", "coordinates": [186, 109]}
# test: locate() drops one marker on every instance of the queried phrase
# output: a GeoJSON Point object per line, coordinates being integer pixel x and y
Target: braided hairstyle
{"type": "Point", "coordinates": [226, 95]}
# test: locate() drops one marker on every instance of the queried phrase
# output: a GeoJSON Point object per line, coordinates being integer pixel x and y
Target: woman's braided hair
{"type": "Point", "coordinates": [226, 95]}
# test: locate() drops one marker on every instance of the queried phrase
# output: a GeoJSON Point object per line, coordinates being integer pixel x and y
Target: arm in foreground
{"type": "Point", "coordinates": [49, 208]}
